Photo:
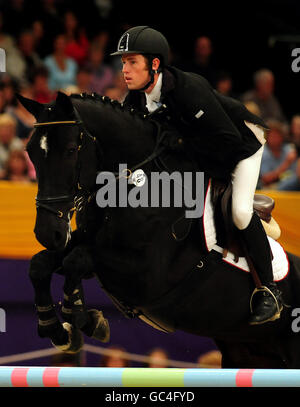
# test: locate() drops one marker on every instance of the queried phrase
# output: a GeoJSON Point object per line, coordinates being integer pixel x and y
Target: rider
{"type": "Point", "coordinates": [226, 136]}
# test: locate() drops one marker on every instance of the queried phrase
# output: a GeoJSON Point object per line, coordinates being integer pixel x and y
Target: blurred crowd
{"type": "Point", "coordinates": [51, 49]}
{"type": "Point", "coordinates": [116, 356]}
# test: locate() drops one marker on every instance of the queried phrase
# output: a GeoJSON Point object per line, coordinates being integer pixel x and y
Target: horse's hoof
{"type": "Point", "coordinates": [101, 330]}
{"type": "Point", "coordinates": [75, 342]}
{"type": "Point", "coordinates": [66, 313]}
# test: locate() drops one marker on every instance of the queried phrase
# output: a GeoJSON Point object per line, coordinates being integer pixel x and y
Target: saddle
{"type": "Point", "coordinates": [263, 206]}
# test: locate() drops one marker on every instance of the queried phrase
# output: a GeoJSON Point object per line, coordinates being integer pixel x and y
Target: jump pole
{"type": "Point", "coordinates": [11, 376]}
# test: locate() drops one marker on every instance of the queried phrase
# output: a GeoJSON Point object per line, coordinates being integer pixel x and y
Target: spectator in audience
{"type": "Point", "coordinates": [158, 358]}
{"type": "Point", "coordinates": [16, 12]}
{"type": "Point", "coordinates": [263, 96]}
{"type": "Point", "coordinates": [15, 66]}
{"type": "Point", "coordinates": [84, 80]}
{"type": "Point", "coordinates": [38, 32]}
{"type": "Point", "coordinates": [16, 168]}
{"type": "Point", "coordinates": [2, 99]}
{"type": "Point", "coordinates": [31, 169]}
{"type": "Point", "coordinates": [49, 15]}
{"type": "Point", "coordinates": [8, 140]}
{"type": "Point", "coordinates": [115, 358]}
{"type": "Point", "coordinates": [202, 62]}
{"type": "Point", "coordinates": [114, 93]}
{"type": "Point", "coordinates": [102, 39]}
{"type": "Point", "coordinates": [118, 90]}
{"type": "Point", "coordinates": [77, 44]}
{"type": "Point", "coordinates": [26, 45]}
{"type": "Point", "coordinates": [224, 84]}
{"type": "Point", "coordinates": [24, 119]}
{"type": "Point", "coordinates": [62, 69]}
{"type": "Point", "coordinates": [7, 41]}
{"type": "Point", "coordinates": [210, 359]}
{"type": "Point", "coordinates": [40, 89]}
{"type": "Point", "coordinates": [278, 156]}
{"type": "Point", "coordinates": [102, 74]}
{"type": "Point", "coordinates": [295, 131]}
{"type": "Point", "coordinates": [70, 89]}
{"type": "Point", "coordinates": [293, 182]}
{"type": "Point", "coordinates": [9, 88]}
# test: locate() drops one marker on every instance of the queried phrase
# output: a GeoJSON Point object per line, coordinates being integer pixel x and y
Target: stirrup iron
{"type": "Point", "coordinates": [264, 288]}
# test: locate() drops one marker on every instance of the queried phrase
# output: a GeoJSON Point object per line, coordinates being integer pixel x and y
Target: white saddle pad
{"type": "Point", "coordinates": [280, 261]}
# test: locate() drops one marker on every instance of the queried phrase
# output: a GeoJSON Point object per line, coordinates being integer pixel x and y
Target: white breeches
{"type": "Point", "coordinates": [244, 182]}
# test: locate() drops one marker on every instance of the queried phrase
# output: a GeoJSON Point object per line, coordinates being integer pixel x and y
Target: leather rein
{"type": "Point", "coordinates": [77, 201]}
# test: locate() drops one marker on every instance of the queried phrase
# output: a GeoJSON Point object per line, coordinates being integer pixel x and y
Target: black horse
{"type": "Point", "coordinates": [154, 262]}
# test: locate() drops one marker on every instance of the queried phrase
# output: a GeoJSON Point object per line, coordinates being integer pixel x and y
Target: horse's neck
{"type": "Point", "coordinates": [123, 137]}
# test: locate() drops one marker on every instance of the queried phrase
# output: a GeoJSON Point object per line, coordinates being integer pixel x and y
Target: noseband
{"type": "Point", "coordinates": [44, 202]}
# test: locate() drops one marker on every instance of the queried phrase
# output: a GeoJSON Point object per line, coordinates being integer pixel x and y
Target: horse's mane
{"type": "Point", "coordinates": [96, 98]}
{"type": "Point", "coordinates": [93, 107]}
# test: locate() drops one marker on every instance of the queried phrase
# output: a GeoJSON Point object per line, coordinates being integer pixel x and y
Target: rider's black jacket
{"type": "Point", "coordinates": [212, 124]}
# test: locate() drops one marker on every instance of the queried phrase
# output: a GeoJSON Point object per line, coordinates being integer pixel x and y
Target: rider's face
{"type": "Point", "coordinates": [135, 71]}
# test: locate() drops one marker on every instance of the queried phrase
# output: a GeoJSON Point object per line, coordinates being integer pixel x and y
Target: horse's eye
{"type": "Point", "coordinates": [71, 151]}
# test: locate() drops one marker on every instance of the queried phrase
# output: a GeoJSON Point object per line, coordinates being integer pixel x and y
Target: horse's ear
{"type": "Point", "coordinates": [35, 108]}
{"type": "Point", "coordinates": [64, 102]}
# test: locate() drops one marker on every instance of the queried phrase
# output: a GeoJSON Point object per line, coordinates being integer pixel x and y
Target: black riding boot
{"type": "Point", "coordinates": [267, 303]}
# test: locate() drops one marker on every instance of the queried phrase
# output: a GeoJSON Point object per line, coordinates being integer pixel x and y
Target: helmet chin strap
{"type": "Point", "coordinates": [152, 72]}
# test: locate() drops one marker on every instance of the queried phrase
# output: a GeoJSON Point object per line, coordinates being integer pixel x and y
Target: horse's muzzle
{"type": "Point", "coordinates": [52, 232]}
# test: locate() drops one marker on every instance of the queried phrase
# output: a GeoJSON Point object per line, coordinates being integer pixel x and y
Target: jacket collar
{"type": "Point", "coordinates": [168, 82]}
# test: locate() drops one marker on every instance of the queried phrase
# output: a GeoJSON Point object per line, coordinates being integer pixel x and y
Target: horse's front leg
{"type": "Point", "coordinates": [79, 265]}
{"type": "Point", "coordinates": [64, 337]}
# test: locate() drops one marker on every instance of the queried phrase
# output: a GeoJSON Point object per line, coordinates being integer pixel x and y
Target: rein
{"type": "Point", "coordinates": [158, 149]}
{"type": "Point", "coordinates": [75, 201]}
{"type": "Point", "coordinates": [45, 201]}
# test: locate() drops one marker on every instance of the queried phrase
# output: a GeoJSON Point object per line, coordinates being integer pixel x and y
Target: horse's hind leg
{"type": "Point", "coordinates": [42, 266]}
{"type": "Point", "coordinates": [91, 322]}
{"type": "Point", "coordinates": [76, 266]}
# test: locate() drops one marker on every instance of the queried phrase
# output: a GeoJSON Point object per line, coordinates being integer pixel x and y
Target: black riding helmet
{"type": "Point", "coordinates": [146, 41]}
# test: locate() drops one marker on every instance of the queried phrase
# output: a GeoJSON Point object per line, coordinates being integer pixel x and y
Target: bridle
{"type": "Point", "coordinates": [74, 201]}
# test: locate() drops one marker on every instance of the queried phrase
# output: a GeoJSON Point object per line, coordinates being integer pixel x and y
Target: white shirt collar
{"type": "Point", "coordinates": [154, 95]}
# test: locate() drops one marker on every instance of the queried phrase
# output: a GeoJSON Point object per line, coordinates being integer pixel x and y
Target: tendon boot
{"type": "Point", "coordinates": [266, 303]}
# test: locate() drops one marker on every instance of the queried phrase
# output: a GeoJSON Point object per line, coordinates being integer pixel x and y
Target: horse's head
{"type": "Point", "coordinates": [64, 157]}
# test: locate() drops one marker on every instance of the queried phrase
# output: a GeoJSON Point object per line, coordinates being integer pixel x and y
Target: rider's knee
{"type": "Point", "coordinates": [241, 217]}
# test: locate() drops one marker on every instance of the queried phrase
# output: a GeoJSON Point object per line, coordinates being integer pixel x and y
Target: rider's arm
{"type": "Point", "coordinates": [205, 113]}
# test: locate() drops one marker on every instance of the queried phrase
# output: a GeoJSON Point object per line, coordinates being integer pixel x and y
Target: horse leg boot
{"type": "Point", "coordinates": [268, 304]}
{"type": "Point", "coordinates": [63, 337]}
{"type": "Point", "coordinates": [78, 265]}
{"type": "Point", "coordinates": [40, 273]}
